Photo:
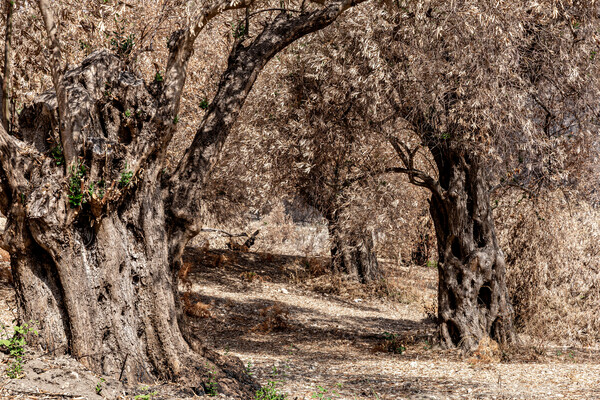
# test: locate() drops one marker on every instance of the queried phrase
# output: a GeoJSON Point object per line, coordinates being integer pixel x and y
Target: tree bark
{"type": "Point", "coordinates": [353, 253]}
{"type": "Point", "coordinates": [96, 276]}
{"type": "Point", "coordinates": [94, 237]}
{"type": "Point", "coordinates": [473, 300]}
{"type": "Point", "coordinates": [352, 250]}
{"type": "Point", "coordinates": [8, 67]}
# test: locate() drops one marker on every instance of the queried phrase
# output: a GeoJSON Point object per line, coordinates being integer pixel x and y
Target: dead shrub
{"type": "Point", "coordinates": [488, 351]}
{"type": "Point", "coordinates": [317, 266]}
{"type": "Point", "coordinates": [390, 343]}
{"type": "Point", "coordinates": [234, 246]}
{"type": "Point", "coordinates": [221, 260]}
{"type": "Point", "coordinates": [183, 275]}
{"type": "Point", "coordinates": [251, 276]}
{"type": "Point", "coordinates": [552, 253]}
{"type": "Point", "coordinates": [431, 310]}
{"type": "Point", "coordinates": [195, 308]}
{"type": "Point", "coordinates": [274, 319]}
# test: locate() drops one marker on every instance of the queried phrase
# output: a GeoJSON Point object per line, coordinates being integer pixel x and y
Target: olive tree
{"type": "Point", "coordinates": [96, 224]}
{"type": "Point", "coordinates": [469, 96]}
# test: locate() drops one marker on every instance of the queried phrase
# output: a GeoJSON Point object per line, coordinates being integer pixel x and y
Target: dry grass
{"type": "Point", "coordinates": [488, 351]}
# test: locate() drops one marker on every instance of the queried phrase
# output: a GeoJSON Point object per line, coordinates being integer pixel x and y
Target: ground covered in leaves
{"type": "Point", "coordinates": [307, 334]}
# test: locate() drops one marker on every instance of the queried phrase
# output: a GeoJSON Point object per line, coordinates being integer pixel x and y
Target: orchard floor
{"type": "Point", "coordinates": [310, 339]}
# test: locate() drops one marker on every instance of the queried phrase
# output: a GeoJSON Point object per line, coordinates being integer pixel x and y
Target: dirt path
{"type": "Point", "coordinates": [292, 328]}
{"type": "Point", "coordinates": [334, 341]}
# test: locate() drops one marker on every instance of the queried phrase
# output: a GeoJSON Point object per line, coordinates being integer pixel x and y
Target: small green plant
{"type": "Point", "coordinates": [125, 179]}
{"type": "Point", "coordinates": [239, 29]}
{"type": "Point", "coordinates": [57, 154]}
{"type": "Point", "coordinates": [99, 386]}
{"type": "Point", "coordinates": [204, 104]}
{"type": "Point", "coordinates": [392, 343]}
{"type": "Point", "coordinates": [249, 368]}
{"type": "Point", "coordinates": [176, 119]}
{"type": "Point", "coordinates": [120, 42]}
{"type": "Point", "coordinates": [15, 344]}
{"type": "Point", "coordinates": [127, 113]}
{"type": "Point", "coordinates": [269, 392]}
{"type": "Point", "coordinates": [431, 264]}
{"type": "Point", "coordinates": [96, 190]}
{"type": "Point", "coordinates": [146, 396]}
{"type": "Point", "coordinates": [158, 77]}
{"type": "Point", "coordinates": [76, 193]}
{"type": "Point", "coordinates": [324, 394]}
{"type": "Point", "coordinates": [211, 386]}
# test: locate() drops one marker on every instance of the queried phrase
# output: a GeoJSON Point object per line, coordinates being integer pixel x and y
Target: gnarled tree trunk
{"type": "Point", "coordinates": [473, 300]}
{"type": "Point", "coordinates": [90, 252]}
{"type": "Point", "coordinates": [95, 226]}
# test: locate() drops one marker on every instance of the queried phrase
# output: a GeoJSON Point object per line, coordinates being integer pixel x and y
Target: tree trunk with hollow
{"type": "Point", "coordinates": [97, 227]}
{"type": "Point", "coordinates": [473, 300]}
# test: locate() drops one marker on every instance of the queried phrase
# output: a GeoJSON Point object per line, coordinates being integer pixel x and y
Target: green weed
{"type": "Point", "coordinates": [121, 43]}
{"type": "Point", "coordinates": [57, 154]}
{"type": "Point", "coordinates": [269, 392]}
{"type": "Point", "coordinates": [324, 394]}
{"type": "Point", "coordinates": [99, 386]}
{"type": "Point", "coordinates": [125, 179]}
{"type": "Point", "coordinates": [211, 387]}
{"type": "Point", "coordinates": [76, 193]}
{"type": "Point", "coordinates": [15, 344]}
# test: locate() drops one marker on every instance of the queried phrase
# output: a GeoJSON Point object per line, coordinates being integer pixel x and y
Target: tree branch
{"type": "Point", "coordinates": [16, 161]}
{"type": "Point", "coordinates": [57, 68]}
{"type": "Point", "coordinates": [8, 62]}
{"type": "Point", "coordinates": [181, 48]}
{"type": "Point", "coordinates": [415, 176]}
{"type": "Point", "coordinates": [244, 65]}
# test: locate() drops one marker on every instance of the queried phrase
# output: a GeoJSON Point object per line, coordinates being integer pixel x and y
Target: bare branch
{"type": "Point", "coordinates": [57, 69]}
{"type": "Point", "coordinates": [181, 48]}
{"type": "Point", "coordinates": [8, 64]}
{"type": "Point", "coordinates": [415, 176]}
{"type": "Point", "coordinates": [245, 63]}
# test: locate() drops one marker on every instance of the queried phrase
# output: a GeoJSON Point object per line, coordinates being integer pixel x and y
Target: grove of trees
{"type": "Point", "coordinates": [102, 193]}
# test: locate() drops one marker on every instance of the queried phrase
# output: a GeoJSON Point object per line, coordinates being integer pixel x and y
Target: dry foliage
{"type": "Point", "coordinates": [195, 308]}
{"type": "Point", "coordinates": [274, 317]}
{"type": "Point", "coordinates": [553, 258]}
{"type": "Point", "coordinates": [488, 351]}
{"type": "Point", "coordinates": [183, 275]}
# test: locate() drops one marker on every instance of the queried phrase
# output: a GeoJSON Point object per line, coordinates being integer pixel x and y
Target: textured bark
{"type": "Point", "coordinates": [8, 66]}
{"type": "Point", "coordinates": [97, 276]}
{"type": "Point", "coordinates": [97, 236]}
{"type": "Point", "coordinates": [473, 300]}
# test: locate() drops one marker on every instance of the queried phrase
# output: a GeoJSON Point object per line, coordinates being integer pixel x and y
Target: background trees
{"type": "Point", "coordinates": [471, 98]}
